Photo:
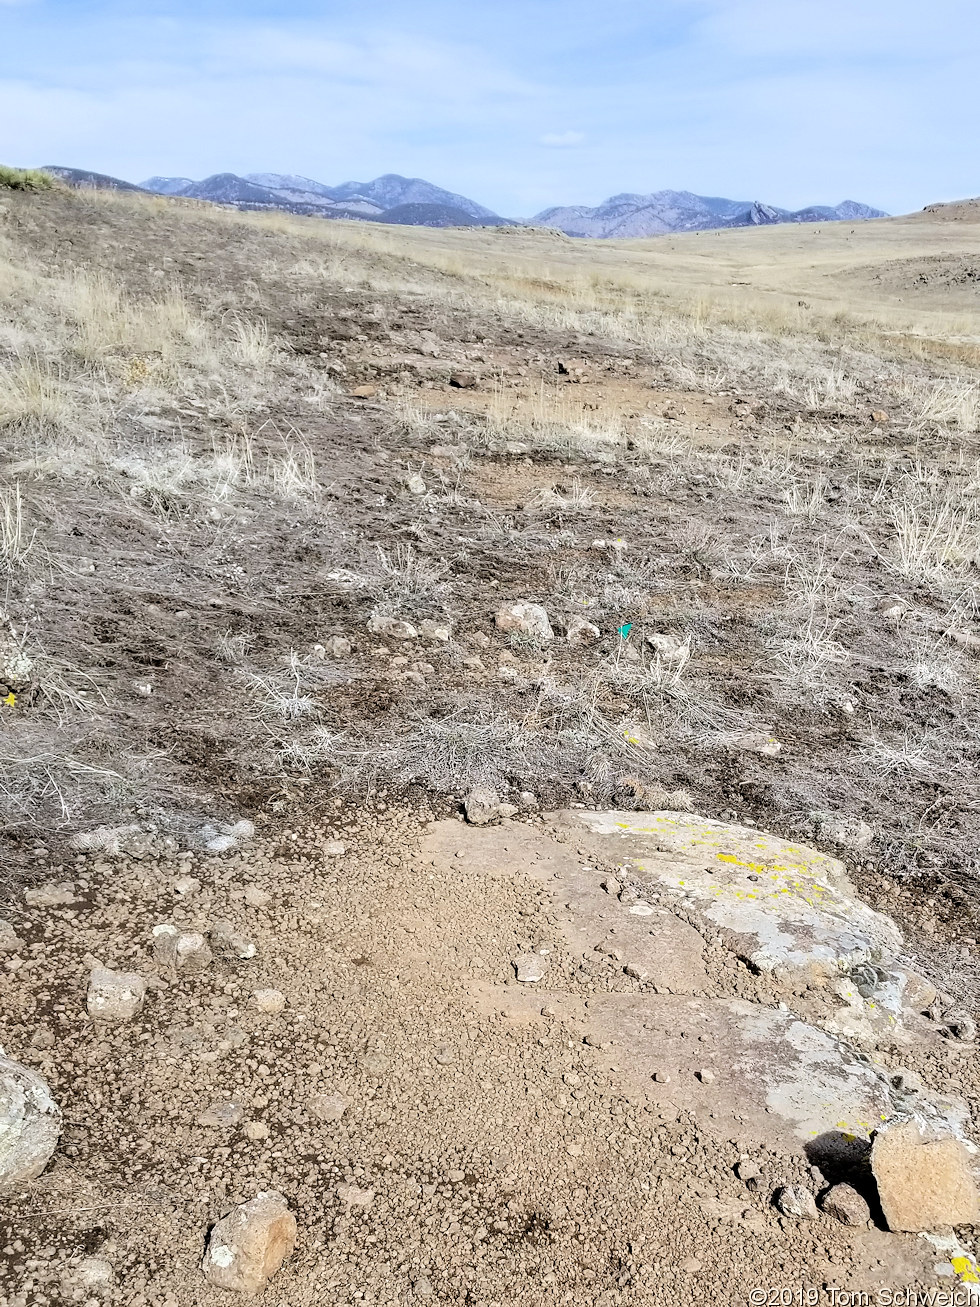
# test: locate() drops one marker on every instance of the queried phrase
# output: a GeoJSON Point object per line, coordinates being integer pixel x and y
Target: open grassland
{"type": "Point", "coordinates": [749, 460]}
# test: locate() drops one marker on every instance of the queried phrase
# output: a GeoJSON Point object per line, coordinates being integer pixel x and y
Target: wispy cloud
{"type": "Point", "coordinates": [758, 99]}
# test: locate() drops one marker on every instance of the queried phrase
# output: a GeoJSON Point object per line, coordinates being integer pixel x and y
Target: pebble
{"type": "Point", "coordinates": [228, 944]}
{"type": "Point", "coordinates": [328, 1107]}
{"type": "Point", "coordinates": [223, 1115]}
{"type": "Point", "coordinates": [178, 950]}
{"type": "Point", "coordinates": [796, 1200]}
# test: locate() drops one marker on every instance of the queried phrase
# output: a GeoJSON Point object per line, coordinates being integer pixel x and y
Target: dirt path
{"type": "Point", "coordinates": [490, 1150]}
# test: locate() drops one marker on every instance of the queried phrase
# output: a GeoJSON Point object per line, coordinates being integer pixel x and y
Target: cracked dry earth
{"type": "Point", "coordinates": [500, 1143]}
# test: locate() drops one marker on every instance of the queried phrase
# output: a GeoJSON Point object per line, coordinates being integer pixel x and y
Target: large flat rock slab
{"type": "Point", "coordinates": [783, 906]}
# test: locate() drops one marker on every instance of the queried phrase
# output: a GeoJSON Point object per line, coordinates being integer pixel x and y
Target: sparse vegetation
{"type": "Point", "coordinates": [25, 179]}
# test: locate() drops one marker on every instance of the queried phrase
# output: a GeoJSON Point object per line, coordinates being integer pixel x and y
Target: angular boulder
{"type": "Point", "coordinates": [248, 1245]}
{"type": "Point", "coordinates": [924, 1182]}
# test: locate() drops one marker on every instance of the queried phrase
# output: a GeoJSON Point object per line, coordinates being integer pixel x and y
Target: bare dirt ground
{"type": "Point", "coordinates": [230, 444]}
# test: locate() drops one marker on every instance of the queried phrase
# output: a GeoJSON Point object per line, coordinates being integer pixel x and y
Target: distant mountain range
{"type": "Point", "coordinates": [406, 200]}
{"type": "Point", "coordinates": [676, 211]}
{"type": "Point", "coordinates": [410, 201]}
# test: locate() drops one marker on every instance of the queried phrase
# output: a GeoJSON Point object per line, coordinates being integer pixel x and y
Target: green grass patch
{"type": "Point", "coordinates": [25, 179]}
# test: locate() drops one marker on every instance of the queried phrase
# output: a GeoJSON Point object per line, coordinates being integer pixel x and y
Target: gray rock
{"type": "Point", "coordinates": [50, 895]}
{"type": "Point", "coordinates": [184, 951]}
{"type": "Point", "coordinates": [222, 1116]}
{"type": "Point", "coordinates": [228, 944]}
{"type": "Point", "coordinates": [846, 1205]}
{"type": "Point", "coordinates": [328, 1107]}
{"type": "Point", "coordinates": [30, 1123]}
{"type": "Point", "coordinates": [435, 630]}
{"type": "Point", "coordinates": [114, 995]}
{"type": "Point", "coordinates": [481, 805]}
{"type": "Point", "coordinates": [526, 619]}
{"type": "Point", "coordinates": [846, 832]}
{"type": "Point", "coordinates": [796, 1200]}
{"type": "Point", "coordinates": [391, 628]}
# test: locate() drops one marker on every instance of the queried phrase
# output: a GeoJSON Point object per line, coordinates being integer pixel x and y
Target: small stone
{"type": "Point", "coordinates": [612, 886]}
{"type": "Point", "coordinates": [30, 1123]}
{"type": "Point", "coordinates": [691, 1264]}
{"type": "Point", "coordinates": [444, 1055]}
{"type": "Point", "coordinates": [661, 1077]}
{"type": "Point", "coordinates": [270, 1001]}
{"type": "Point", "coordinates": [393, 628]}
{"type": "Point", "coordinates": [796, 1200]}
{"type": "Point", "coordinates": [248, 1246]}
{"type": "Point", "coordinates": [328, 1107]}
{"type": "Point", "coordinates": [334, 849]}
{"type": "Point", "coordinates": [748, 1170]}
{"type": "Point", "coordinates": [221, 1116]}
{"type": "Point", "coordinates": [364, 392]}
{"type": "Point", "coordinates": [462, 380]}
{"type": "Point", "coordinates": [256, 1130]}
{"type": "Point", "coordinates": [528, 800]}
{"type": "Point", "coordinates": [435, 630]}
{"type": "Point", "coordinates": [581, 632]}
{"type": "Point", "coordinates": [706, 1076]}
{"type": "Point", "coordinates": [338, 646]}
{"type": "Point", "coordinates": [227, 943]}
{"type": "Point", "coordinates": [923, 1183]}
{"type": "Point", "coordinates": [961, 1026]}
{"type": "Point", "coordinates": [422, 1288]}
{"type": "Point", "coordinates": [352, 1196]}
{"type": "Point", "coordinates": [186, 886]}
{"type": "Point", "coordinates": [635, 971]}
{"type": "Point", "coordinates": [114, 995]}
{"type": "Point", "coordinates": [530, 968]}
{"type": "Point", "coordinates": [180, 950]}
{"type": "Point", "coordinates": [846, 1205]}
{"type": "Point", "coordinates": [878, 415]}
{"type": "Point", "coordinates": [574, 1150]}
{"type": "Point", "coordinates": [526, 619]}
{"type": "Point", "coordinates": [481, 805]}
{"type": "Point", "coordinates": [415, 485]}
{"type": "Point", "coordinates": [256, 898]}
{"type": "Point", "coordinates": [508, 810]}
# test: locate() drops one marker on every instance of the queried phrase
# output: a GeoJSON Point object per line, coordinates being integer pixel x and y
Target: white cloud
{"type": "Point", "coordinates": [562, 140]}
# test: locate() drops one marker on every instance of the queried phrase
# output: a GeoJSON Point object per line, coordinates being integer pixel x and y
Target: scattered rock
{"type": "Point", "coordinates": [661, 1077]}
{"type": "Point", "coordinates": [581, 632]}
{"type": "Point", "coordinates": [530, 968]}
{"type": "Point", "coordinates": [93, 1273]}
{"type": "Point", "coordinates": [796, 1200]}
{"type": "Point", "coordinates": [248, 1246]}
{"type": "Point", "coordinates": [180, 951]}
{"type": "Point", "coordinates": [114, 995]}
{"type": "Point", "coordinates": [526, 619]}
{"type": "Point", "coordinates": [351, 1196]}
{"type": "Point", "coordinates": [30, 1123]}
{"type": "Point", "coordinates": [334, 849]}
{"type": "Point", "coordinates": [846, 1205]}
{"type": "Point", "coordinates": [748, 1170]}
{"type": "Point", "coordinates": [338, 646]}
{"type": "Point", "coordinates": [256, 1130]}
{"type": "Point", "coordinates": [707, 1077]}
{"type": "Point", "coordinates": [222, 1116]}
{"type": "Point", "coordinates": [255, 897]}
{"type": "Point", "coordinates": [671, 647]}
{"type": "Point", "coordinates": [961, 1026]}
{"type": "Point", "coordinates": [481, 805]}
{"type": "Point", "coordinates": [227, 943]}
{"type": "Point", "coordinates": [923, 1183]}
{"type": "Point", "coordinates": [364, 392]}
{"type": "Point", "coordinates": [392, 628]}
{"type": "Point", "coordinates": [415, 485]}
{"type": "Point", "coordinates": [435, 630]}
{"type": "Point", "coordinates": [755, 742]}
{"type": "Point", "coordinates": [270, 1001]}
{"type": "Point", "coordinates": [508, 810]}
{"type": "Point", "coordinates": [222, 837]}
{"type": "Point", "coordinates": [878, 415]}
{"type": "Point", "coordinates": [463, 380]}
{"type": "Point", "coordinates": [328, 1107]}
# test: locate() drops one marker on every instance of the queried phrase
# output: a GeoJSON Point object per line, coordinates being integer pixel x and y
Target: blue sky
{"type": "Point", "coordinates": [517, 103]}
